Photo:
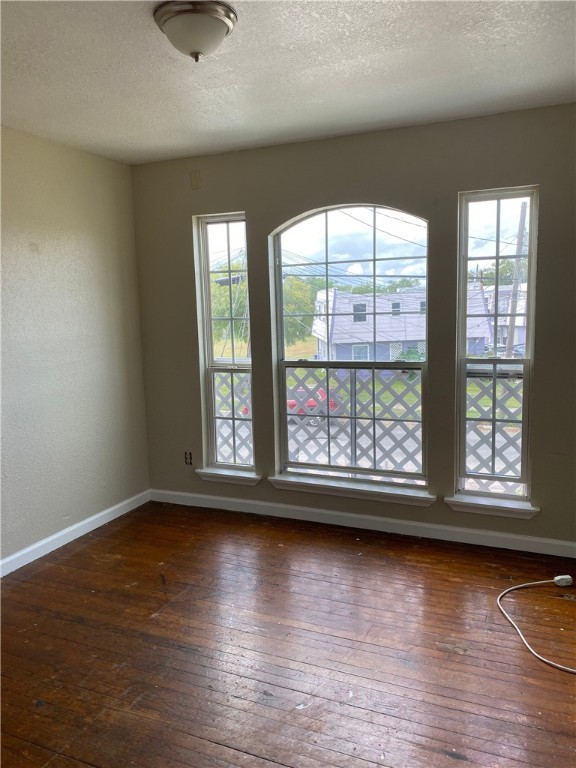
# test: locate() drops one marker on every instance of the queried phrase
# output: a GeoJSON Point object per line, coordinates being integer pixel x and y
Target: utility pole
{"type": "Point", "coordinates": [513, 306]}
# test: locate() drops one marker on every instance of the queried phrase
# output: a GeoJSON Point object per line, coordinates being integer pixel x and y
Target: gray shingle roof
{"type": "Point", "coordinates": [408, 325]}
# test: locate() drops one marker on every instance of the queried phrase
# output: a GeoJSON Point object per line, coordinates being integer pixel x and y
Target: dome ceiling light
{"type": "Point", "coordinates": [197, 28]}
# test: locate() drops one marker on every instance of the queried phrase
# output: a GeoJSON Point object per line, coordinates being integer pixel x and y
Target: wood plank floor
{"type": "Point", "coordinates": [188, 638]}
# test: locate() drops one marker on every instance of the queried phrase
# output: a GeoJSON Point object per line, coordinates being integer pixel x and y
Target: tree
{"type": "Point", "coordinates": [299, 299]}
{"type": "Point", "coordinates": [229, 299]}
{"type": "Point", "coordinates": [392, 287]}
{"type": "Point", "coordinates": [509, 270]}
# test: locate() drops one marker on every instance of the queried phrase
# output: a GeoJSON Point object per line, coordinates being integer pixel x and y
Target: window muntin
{"type": "Point", "coordinates": [224, 301]}
{"type": "Point", "coordinates": [497, 264]}
{"type": "Point", "coordinates": [353, 402]}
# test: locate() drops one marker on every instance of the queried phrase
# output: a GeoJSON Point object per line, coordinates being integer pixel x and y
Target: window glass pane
{"type": "Point", "coordinates": [222, 393]}
{"type": "Point", "coordinates": [308, 440]}
{"type": "Point", "coordinates": [242, 395]}
{"type": "Point", "coordinates": [229, 294]}
{"type": "Point", "coordinates": [217, 235]}
{"type": "Point", "coordinates": [398, 395]}
{"type": "Point", "coordinates": [341, 436]}
{"type": "Point", "coordinates": [304, 242]}
{"type": "Point", "coordinates": [513, 272]}
{"type": "Point", "coordinates": [237, 234]}
{"type": "Point", "coordinates": [350, 235]}
{"type": "Point", "coordinates": [399, 235]}
{"type": "Point", "coordinates": [243, 443]}
{"type": "Point", "coordinates": [479, 438]}
{"type": "Point", "coordinates": [511, 336]}
{"type": "Point", "coordinates": [480, 337]}
{"type": "Point", "coordinates": [482, 228]}
{"type": "Point", "coordinates": [340, 389]}
{"type": "Point", "coordinates": [241, 330]}
{"type": "Point", "coordinates": [363, 393]}
{"type": "Point", "coordinates": [514, 220]}
{"type": "Point", "coordinates": [508, 444]}
{"type": "Point", "coordinates": [222, 339]}
{"type": "Point", "coordinates": [224, 441]}
{"type": "Point", "coordinates": [480, 288]}
{"type": "Point", "coordinates": [479, 396]}
{"type": "Point", "coordinates": [509, 394]}
{"type": "Point", "coordinates": [305, 337]}
{"type": "Point", "coordinates": [398, 446]}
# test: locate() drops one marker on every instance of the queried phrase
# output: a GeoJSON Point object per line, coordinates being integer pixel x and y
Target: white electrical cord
{"type": "Point", "coordinates": [560, 581]}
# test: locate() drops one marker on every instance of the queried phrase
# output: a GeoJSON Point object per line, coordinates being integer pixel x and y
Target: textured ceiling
{"type": "Point", "coordinates": [102, 77]}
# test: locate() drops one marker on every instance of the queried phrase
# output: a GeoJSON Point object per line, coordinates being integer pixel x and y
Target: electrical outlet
{"type": "Point", "coordinates": [188, 458]}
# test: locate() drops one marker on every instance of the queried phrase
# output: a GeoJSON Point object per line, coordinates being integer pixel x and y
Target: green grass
{"type": "Point", "coordinates": [303, 350]}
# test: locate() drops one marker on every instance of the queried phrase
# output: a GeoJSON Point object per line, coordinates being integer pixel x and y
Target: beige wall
{"type": "Point", "coordinates": [74, 431]}
{"type": "Point", "coordinates": [419, 170]}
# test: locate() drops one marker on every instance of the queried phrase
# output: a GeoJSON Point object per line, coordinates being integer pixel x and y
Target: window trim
{"type": "Point", "coordinates": [210, 469]}
{"type": "Point", "coordinates": [485, 502]}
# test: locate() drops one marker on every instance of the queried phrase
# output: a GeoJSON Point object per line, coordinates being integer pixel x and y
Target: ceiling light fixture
{"type": "Point", "coordinates": [196, 29]}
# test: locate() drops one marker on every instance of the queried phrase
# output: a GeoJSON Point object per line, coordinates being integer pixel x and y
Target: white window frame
{"type": "Point", "coordinates": [473, 500]}
{"type": "Point", "coordinates": [211, 469]}
{"type": "Point", "coordinates": [353, 481]}
{"type": "Point", "coordinates": [356, 348]}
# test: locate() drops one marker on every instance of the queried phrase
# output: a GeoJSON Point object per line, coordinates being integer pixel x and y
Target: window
{"type": "Point", "coordinates": [360, 352]}
{"type": "Point", "coordinates": [423, 306]}
{"type": "Point", "coordinates": [351, 391]}
{"type": "Point", "coordinates": [223, 300]}
{"type": "Point", "coordinates": [359, 311]}
{"type": "Point", "coordinates": [497, 255]}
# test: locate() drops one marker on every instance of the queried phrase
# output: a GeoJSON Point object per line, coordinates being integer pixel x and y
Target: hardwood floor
{"type": "Point", "coordinates": [178, 638]}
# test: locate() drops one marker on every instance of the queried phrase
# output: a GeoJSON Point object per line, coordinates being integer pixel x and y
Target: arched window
{"type": "Point", "coordinates": [351, 299]}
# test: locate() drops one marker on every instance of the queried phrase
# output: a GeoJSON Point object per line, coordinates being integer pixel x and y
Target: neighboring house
{"type": "Point", "coordinates": [400, 320]}
{"type": "Point", "coordinates": [511, 312]}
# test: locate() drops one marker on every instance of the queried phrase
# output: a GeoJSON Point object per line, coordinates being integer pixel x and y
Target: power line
{"type": "Point", "coordinates": [385, 232]}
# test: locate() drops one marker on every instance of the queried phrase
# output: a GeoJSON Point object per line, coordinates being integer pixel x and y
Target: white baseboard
{"type": "Point", "coordinates": [374, 523]}
{"type": "Point", "coordinates": [25, 556]}
{"type": "Point", "coordinates": [330, 517]}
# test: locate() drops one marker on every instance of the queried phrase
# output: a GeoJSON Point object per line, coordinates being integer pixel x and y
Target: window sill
{"type": "Point", "coordinates": [236, 476]}
{"type": "Point", "coordinates": [483, 505]}
{"type": "Point", "coordinates": [354, 489]}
